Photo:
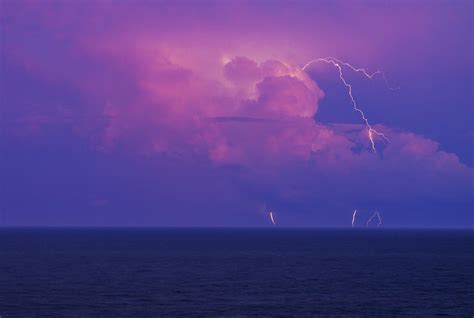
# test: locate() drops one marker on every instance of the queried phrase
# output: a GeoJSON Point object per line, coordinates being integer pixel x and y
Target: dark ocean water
{"type": "Point", "coordinates": [235, 273]}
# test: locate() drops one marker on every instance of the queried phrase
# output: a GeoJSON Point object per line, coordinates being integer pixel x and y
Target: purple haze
{"type": "Point", "coordinates": [198, 113]}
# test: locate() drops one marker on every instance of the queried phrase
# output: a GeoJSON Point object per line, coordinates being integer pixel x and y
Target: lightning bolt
{"type": "Point", "coordinates": [354, 217]}
{"type": "Point", "coordinates": [380, 219]}
{"type": "Point", "coordinates": [338, 64]}
{"type": "Point", "coordinates": [271, 218]}
{"type": "Point", "coordinates": [376, 214]}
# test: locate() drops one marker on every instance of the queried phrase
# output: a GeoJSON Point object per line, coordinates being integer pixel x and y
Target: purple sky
{"type": "Point", "coordinates": [198, 113]}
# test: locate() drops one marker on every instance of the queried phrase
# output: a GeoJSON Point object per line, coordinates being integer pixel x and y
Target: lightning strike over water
{"type": "Point", "coordinates": [376, 214]}
{"type": "Point", "coordinates": [271, 218]}
{"type": "Point", "coordinates": [338, 64]}
{"type": "Point", "coordinates": [354, 217]}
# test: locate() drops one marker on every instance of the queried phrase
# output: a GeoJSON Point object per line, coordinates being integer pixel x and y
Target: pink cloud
{"type": "Point", "coordinates": [230, 106]}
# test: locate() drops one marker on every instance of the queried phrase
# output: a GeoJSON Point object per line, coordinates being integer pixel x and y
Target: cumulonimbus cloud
{"type": "Point", "coordinates": [257, 114]}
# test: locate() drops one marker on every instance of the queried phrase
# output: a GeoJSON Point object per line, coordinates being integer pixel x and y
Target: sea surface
{"type": "Point", "coordinates": [101, 272]}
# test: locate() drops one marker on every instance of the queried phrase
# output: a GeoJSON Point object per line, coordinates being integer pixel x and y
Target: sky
{"type": "Point", "coordinates": [199, 113]}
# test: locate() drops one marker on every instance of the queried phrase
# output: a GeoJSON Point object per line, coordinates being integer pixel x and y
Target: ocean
{"type": "Point", "coordinates": [275, 272]}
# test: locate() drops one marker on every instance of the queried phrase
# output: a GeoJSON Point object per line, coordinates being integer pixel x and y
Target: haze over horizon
{"type": "Point", "coordinates": [199, 114]}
